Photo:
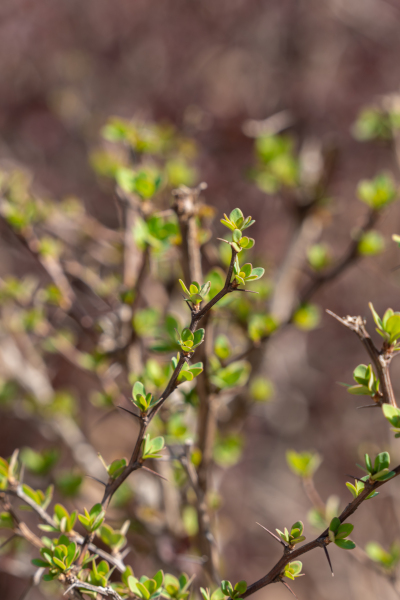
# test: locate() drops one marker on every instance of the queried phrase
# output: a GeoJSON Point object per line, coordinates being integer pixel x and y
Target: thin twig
{"type": "Point", "coordinates": [380, 359]}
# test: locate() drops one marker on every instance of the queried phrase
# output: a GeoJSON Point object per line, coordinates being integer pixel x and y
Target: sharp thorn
{"type": "Point", "coordinates": [154, 473]}
{"type": "Point", "coordinates": [130, 412]}
{"type": "Point", "coordinates": [98, 480]}
{"type": "Point", "coordinates": [278, 539]}
{"type": "Point", "coordinates": [329, 560]}
{"type": "Point", "coordinates": [8, 540]}
{"type": "Point", "coordinates": [369, 406]}
{"type": "Point", "coordinates": [289, 588]}
{"type": "Point", "coordinates": [356, 478]}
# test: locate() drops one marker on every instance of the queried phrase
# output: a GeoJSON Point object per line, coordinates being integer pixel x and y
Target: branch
{"type": "Point", "coordinates": [18, 492]}
{"type": "Point", "coordinates": [380, 359]}
{"type": "Point", "coordinates": [275, 574]}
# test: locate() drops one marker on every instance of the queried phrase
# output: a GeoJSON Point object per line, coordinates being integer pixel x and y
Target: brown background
{"type": "Point", "coordinates": [206, 66]}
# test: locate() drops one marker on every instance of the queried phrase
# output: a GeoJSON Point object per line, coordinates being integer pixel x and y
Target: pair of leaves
{"type": "Point", "coordinates": [63, 521]}
{"type": "Point", "coordinates": [196, 292]}
{"type": "Point", "coordinates": [58, 558]}
{"type": "Point", "coordinates": [176, 589]}
{"type": "Point", "coordinates": [359, 486]}
{"type": "Point", "coordinates": [189, 341]}
{"type": "Point", "coordinates": [377, 192]}
{"type": "Point", "coordinates": [293, 570]}
{"type": "Point", "coordinates": [303, 464]}
{"type": "Point", "coordinates": [389, 326]}
{"type": "Point", "coordinates": [392, 414]}
{"type": "Point", "coordinates": [295, 536]}
{"type": "Point", "coordinates": [241, 242]}
{"type": "Point", "coordinates": [236, 220]}
{"type": "Point", "coordinates": [387, 559]}
{"type": "Point", "coordinates": [142, 400]}
{"type": "Point", "coordinates": [189, 372]}
{"type": "Point", "coordinates": [152, 447]}
{"type": "Point", "coordinates": [246, 272]}
{"type": "Point", "coordinates": [379, 471]}
{"type": "Point", "coordinates": [113, 538]}
{"type": "Point", "coordinates": [338, 532]}
{"type": "Point", "coordinates": [99, 574]}
{"type": "Point", "coordinates": [367, 383]}
{"type": "Point", "coordinates": [93, 519]}
{"type": "Point", "coordinates": [145, 588]}
{"type": "Point", "coordinates": [235, 591]}
{"type": "Point", "coordinates": [115, 468]}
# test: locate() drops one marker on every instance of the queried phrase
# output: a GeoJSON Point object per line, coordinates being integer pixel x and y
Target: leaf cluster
{"type": "Point", "coordinates": [235, 591]}
{"type": "Point", "coordinates": [379, 470]}
{"type": "Point", "coordinates": [338, 533]}
{"type": "Point", "coordinates": [295, 536]}
{"type": "Point", "coordinates": [196, 292]}
{"type": "Point", "coordinates": [189, 341]}
{"type": "Point", "coordinates": [388, 327]}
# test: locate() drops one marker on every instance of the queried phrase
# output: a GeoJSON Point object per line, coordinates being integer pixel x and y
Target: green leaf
{"type": "Point", "coordinates": [187, 335]}
{"type": "Point", "coordinates": [138, 388]}
{"type": "Point", "coordinates": [344, 530]}
{"type": "Point", "coordinates": [236, 217]}
{"type": "Point", "coordinates": [299, 527]}
{"type": "Point", "coordinates": [256, 273]}
{"type": "Point", "coordinates": [375, 315]}
{"type": "Point", "coordinates": [378, 192]}
{"type": "Point", "coordinates": [345, 544]}
{"type": "Point", "coordinates": [334, 524]}
{"type": "Point", "coordinates": [303, 464]}
{"type": "Point", "coordinates": [307, 317]}
{"type": "Point", "coordinates": [246, 269]}
{"type": "Point", "coordinates": [371, 243]}
{"type": "Point", "coordinates": [198, 337]}
{"type": "Point", "coordinates": [392, 326]}
{"type": "Point", "coordinates": [236, 235]}
{"type": "Point", "coordinates": [241, 587]}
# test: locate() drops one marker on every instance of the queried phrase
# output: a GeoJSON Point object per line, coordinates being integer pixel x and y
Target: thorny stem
{"type": "Point", "coordinates": [321, 541]}
{"type": "Point", "coordinates": [135, 462]}
{"type": "Point", "coordinates": [348, 259]}
{"type": "Point", "coordinates": [381, 359]}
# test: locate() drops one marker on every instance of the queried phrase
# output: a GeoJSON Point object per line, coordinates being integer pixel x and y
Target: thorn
{"type": "Point", "coordinates": [130, 412]}
{"type": "Point", "coordinates": [226, 241]}
{"type": "Point", "coordinates": [154, 473]}
{"type": "Point", "coordinates": [369, 406]}
{"type": "Point", "coordinates": [289, 588]}
{"type": "Point", "coordinates": [356, 478]}
{"type": "Point", "coordinates": [246, 291]}
{"type": "Point", "coordinates": [95, 479]}
{"type": "Point", "coordinates": [278, 539]}
{"type": "Point", "coordinates": [329, 560]}
{"type": "Point", "coordinates": [8, 540]}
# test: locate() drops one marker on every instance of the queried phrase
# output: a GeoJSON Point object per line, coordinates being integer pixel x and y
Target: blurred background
{"type": "Point", "coordinates": [208, 68]}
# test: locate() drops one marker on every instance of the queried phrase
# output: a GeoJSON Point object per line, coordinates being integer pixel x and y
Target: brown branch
{"type": "Point", "coordinates": [18, 492]}
{"type": "Point", "coordinates": [349, 258]}
{"type": "Point", "coordinates": [185, 206]}
{"type": "Point", "coordinates": [136, 461]}
{"type": "Point", "coordinates": [275, 574]}
{"type": "Point", "coordinates": [381, 359]}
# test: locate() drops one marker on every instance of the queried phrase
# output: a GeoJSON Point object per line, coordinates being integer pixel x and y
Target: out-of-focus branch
{"type": "Point", "coordinates": [348, 259]}
{"type": "Point", "coordinates": [185, 206]}
{"type": "Point", "coordinates": [380, 359]}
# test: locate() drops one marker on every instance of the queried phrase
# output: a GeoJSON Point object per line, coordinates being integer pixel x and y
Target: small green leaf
{"type": "Point", "coordinates": [345, 544]}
